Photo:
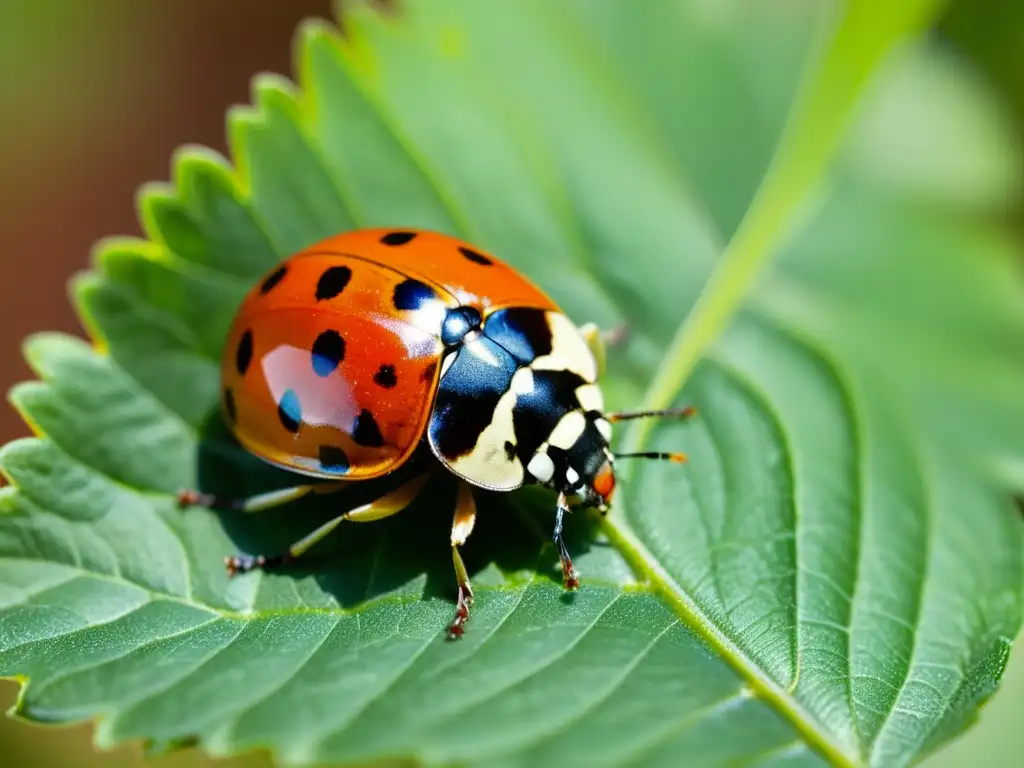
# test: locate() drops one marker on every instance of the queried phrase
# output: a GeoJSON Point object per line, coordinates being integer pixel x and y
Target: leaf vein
{"type": "Point", "coordinates": [128, 651]}
{"type": "Point", "coordinates": [614, 685]}
{"type": "Point", "coordinates": [468, 702]}
{"type": "Point", "coordinates": [461, 662]}
{"type": "Point", "coordinates": [239, 714]}
{"type": "Point", "coordinates": [722, 706]}
{"type": "Point", "coordinates": [927, 508]}
{"type": "Point", "coordinates": [346, 725]}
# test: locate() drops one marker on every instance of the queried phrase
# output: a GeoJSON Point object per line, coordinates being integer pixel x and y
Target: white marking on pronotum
{"type": "Point", "coordinates": [541, 467]}
{"type": "Point", "coordinates": [605, 429]}
{"type": "Point", "coordinates": [569, 350]}
{"type": "Point", "coordinates": [522, 382]}
{"type": "Point", "coordinates": [568, 430]}
{"type": "Point", "coordinates": [571, 476]}
{"type": "Point", "coordinates": [589, 397]}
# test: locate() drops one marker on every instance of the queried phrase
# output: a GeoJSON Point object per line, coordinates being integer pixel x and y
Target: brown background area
{"type": "Point", "coordinates": [95, 95]}
{"type": "Point", "coordinates": [126, 83]}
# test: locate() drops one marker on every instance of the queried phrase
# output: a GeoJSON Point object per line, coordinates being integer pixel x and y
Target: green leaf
{"type": "Point", "coordinates": [835, 577]}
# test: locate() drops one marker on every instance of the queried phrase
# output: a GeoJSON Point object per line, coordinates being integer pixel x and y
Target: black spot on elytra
{"type": "Point", "coordinates": [510, 450]}
{"type": "Point", "coordinates": [397, 238]}
{"type": "Point", "coordinates": [273, 279]}
{"type": "Point", "coordinates": [243, 355]}
{"type": "Point", "coordinates": [366, 432]}
{"type": "Point", "coordinates": [476, 258]}
{"type": "Point", "coordinates": [229, 406]}
{"type": "Point", "coordinates": [412, 294]}
{"type": "Point", "coordinates": [289, 411]}
{"type": "Point", "coordinates": [385, 377]}
{"type": "Point", "coordinates": [429, 371]}
{"type": "Point", "coordinates": [333, 459]}
{"type": "Point", "coordinates": [328, 352]}
{"type": "Point", "coordinates": [332, 282]}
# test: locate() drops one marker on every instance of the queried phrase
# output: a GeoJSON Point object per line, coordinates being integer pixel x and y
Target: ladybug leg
{"type": "Point", "coordinates": [599, 341]}
{"type": "Point", "coordinates": [254, 503]}
{"type": "Point", "coordinates": [385, 506]}
{"type": "Point", "coordinates": [570, 579]}
{"type": "Point", "coordinates": [462, 526]}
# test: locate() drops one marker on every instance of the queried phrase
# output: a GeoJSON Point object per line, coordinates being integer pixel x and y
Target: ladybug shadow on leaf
{"type": "Point", "coordinates": [406, 554]}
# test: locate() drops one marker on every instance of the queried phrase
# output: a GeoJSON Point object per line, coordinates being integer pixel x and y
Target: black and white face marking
{"type": "Point", "coordinates": [518, 403]}
{"type": "Point", "coordinates": [574, 456]}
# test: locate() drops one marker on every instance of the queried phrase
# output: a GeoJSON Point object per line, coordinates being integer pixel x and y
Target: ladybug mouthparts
{"type": "Point", "coordinates": [604, 485]}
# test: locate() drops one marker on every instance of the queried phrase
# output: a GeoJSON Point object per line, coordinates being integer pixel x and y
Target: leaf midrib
{"type": "Point", "coordinates": [762, 686]}
{"type": "Point", "coordinates": [269, 613]}
{"type": "Point", "coordinates": [649, 570]}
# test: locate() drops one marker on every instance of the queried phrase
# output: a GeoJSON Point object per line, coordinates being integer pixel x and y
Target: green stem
{"type": "Point", "coordinates": [867, 31]}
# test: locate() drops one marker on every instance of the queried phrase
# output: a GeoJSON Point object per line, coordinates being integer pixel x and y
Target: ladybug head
{"type": "Point", "coordinates": [597, 463]}
{"type": "Point", "coordinates": [576, 461]}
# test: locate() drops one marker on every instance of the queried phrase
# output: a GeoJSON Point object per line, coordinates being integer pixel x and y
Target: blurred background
{"type": "Point", "coordinates": [95, 95]}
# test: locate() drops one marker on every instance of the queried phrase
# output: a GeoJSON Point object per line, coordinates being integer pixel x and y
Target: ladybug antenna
{"type": "Point", "coordinates": [669, 413]}
{"type": "Point", "coordinates": [678, 458]}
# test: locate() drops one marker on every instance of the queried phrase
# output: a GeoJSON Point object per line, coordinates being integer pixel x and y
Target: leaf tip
{"type": "Point", "coordinates": [194, 162]}
{"type": "Point", "coordinates": [241, 120]}
{"type": "Point", "coordinates": [23, 397]}
{"type": "Point", "coordinates": [315, 32]}
{"type": "Point", "coordinates": [152, 193]}
{"type": "Point", "coordinates": [113, 247]}
{"type": "Point", "coordinates": [17, 449]}
{"type": "Point", "coordinates": [201, 174]}
{"type": "Point", "coordinates": [42, 347]}
{"type": "Point", "coordinates": [10, 492]}
{"type": "Point", "coordinates": [314, 37]}
{"type": "Point", "coordinates": [273, 92]}
{"type": "Point", "coordinates": [83, 288]}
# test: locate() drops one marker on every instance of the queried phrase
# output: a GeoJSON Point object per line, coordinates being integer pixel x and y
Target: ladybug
{"type": "Point", "coordinates": [377, 345]}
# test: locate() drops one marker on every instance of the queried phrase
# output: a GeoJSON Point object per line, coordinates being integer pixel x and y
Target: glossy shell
{"type": "Point", "coordinates": [472, 276]}
{"type": "Point", "coordinates": [332, 364]}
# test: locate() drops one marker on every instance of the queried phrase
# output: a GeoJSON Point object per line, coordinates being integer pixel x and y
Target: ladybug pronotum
{"type": "Point", "coordinates": [375, 345]}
